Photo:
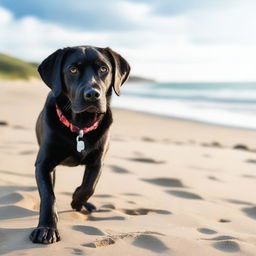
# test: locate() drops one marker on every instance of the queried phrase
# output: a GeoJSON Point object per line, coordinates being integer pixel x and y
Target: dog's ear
{"type": "Point", "coordinates": [50, 71]}
{"type": "Point", "coordinates": [121, 70]}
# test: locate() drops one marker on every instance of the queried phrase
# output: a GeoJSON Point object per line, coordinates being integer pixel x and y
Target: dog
{"type": "Point", "coordinates": [74, 125]}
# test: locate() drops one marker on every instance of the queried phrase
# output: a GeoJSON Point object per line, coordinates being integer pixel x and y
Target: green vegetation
{"type": "Point", "coordinates": [14, 68]}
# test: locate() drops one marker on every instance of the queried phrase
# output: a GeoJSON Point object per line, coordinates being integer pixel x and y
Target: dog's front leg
{"type": "Point", "coordinates": [90, 179]}
{"type": "Point", "coordinates": [86, 189]}
{"type": "Point", "coordinates": [46, 231]}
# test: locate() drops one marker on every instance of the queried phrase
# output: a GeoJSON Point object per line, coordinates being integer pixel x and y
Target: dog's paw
{"type": "Point", "coordinates": [76, 205]}
{"type": "Point", "coordinates": [45, 235]}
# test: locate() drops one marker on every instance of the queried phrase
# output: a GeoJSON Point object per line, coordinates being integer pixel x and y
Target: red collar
{"type": "Point", "coordinates": [72, 127]}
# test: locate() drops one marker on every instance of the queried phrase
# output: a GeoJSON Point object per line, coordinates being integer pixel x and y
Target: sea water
{"type": "Point", "coordinates": [230, 104]}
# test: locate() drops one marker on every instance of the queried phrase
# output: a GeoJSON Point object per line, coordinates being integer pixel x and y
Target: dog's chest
{"type": "Point", "coordinates": [76, 159]}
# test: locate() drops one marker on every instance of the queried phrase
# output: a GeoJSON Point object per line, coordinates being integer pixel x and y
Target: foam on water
{"type": "Point", "coordinates": [222, 104]}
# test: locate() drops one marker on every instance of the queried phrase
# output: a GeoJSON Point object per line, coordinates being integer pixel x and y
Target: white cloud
{"type": "Point", "coordinates": [233, 25]}
{"type": "Point", "coordinates": [32, 39]}
{"type": "Point", "coordinates": [208, 45]}
{"type": "Point", "coordinates": [137, 10]}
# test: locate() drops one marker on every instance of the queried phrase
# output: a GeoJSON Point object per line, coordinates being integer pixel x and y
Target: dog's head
{"type": "Point", "coordinates": [85, 75]}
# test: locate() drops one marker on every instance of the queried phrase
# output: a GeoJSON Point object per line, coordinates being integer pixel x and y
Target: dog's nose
{"type": "Point", "coordinates": [92, 94]}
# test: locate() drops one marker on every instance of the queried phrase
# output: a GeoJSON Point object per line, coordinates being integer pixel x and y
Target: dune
{"type": "Point", "coordinates": [169, 187]}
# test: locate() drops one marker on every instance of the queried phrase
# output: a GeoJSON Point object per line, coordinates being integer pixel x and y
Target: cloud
{"type": "Point", "coordinates": [235, 25]}
{"type": "Point", "coordinates": [107, 15]}
{"type": "Point", "coordinates": [83, 15]}
{"type": "Point", "coordinates": [183, 7]}
{"type": "Point", "coordinates": [195, 44]}
{"type": "Point", "coordinates": [32, 39]}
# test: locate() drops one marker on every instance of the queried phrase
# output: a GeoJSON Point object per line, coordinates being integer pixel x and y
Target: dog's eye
{"type": "Point", "coordinates": [103, 69]}
{"type": "Point", "coordinates": [73, 70]}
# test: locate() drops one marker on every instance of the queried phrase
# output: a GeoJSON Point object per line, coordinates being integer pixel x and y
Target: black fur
{"type": "Point", "coordinates": [57, 142]}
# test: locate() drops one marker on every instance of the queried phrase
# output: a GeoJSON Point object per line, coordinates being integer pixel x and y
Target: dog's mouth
{"type": "Point", "coordinates": [88, 109]}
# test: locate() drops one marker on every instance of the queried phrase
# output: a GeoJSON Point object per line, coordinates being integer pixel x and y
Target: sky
{"type": "Point", "coordinates": [167, 40]}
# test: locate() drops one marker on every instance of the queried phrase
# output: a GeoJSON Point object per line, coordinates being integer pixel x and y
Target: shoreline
{"type": "Point", "coordinates": [186, 130]}
{"type": "Point", "coordinates": [187, 120]}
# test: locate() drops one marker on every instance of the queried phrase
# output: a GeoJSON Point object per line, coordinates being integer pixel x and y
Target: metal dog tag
{"type": "Point", "coordinates": [80, 146]}
{"type": "Point", "coordinates": [80, 143]}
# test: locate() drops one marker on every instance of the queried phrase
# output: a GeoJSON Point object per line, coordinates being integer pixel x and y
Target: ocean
{"type": "Point", "coordinates": [226, 104]}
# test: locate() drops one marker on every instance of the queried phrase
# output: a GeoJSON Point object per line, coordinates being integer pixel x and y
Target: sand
{"type": "Point", "coordinates": [169, 187]}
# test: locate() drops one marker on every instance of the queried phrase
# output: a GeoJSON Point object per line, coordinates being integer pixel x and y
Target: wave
{"type": "Point", "coordinates": [224, 105]}
{"type": "Point", "coordinates": [240, 95]}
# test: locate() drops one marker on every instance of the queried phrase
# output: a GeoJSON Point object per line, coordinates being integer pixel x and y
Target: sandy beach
{"type": "Point", "coordinates": [169, 187]}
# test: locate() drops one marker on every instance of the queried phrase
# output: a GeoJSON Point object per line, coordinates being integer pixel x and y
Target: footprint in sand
{"type": "Point", "coordinates": [250, 212]}
{"type": "Point", "coordinates": [249, 176]}
{"type": "Point", "coordinates": [12, 212]}
{"type": "Point", "coordinates": [100, 243]}
{"type": "Point", "coordinates": [144, 211]}
{"type": "Point", "coordinates": [234, 201]}
{"type": "Point", "coordinates": [27, 152]}
{"type": "Point", "coordinates": [213, 178]}
{"type": "Point", "coordinates": [241, 147]}
{"type": "Point", "coordinates": [184, 194]}
{"type": "Point", "coordinates": [145, 240]}
{"type": "Point", "coordinates": [89, 230]}
{"type": "Point", "coordinates": [103, 196]}
{"type": "Point", "coordinates": [11, 198]}
{"type": "Point", "coordinates": [224, 243]}
{"type": "Point", "coordinates": [148, 139]}
{"type": "Point", "coordinates": [207, 231]}
{"type": "Point", "coordinates": [227, 246]}
{"type": "Point", "coordinates": [146, 160]}
{"type": "Point", "coordinates": [251, 161]}
{"type": "Point", "coordinates": [75, 251]}
{"type": "Point", "coordinates": [165, 182]}
{"type": "Point", "coordinates": [130, 202]}
{"type": "Point", "coordinates": [9, 238]}
{"type": "Point", "coordinates": [93, 218]}
{"type": "Point", "coordinates": [150, 243]}
{"type": "Point", "coordinates": [118, 169]}
{"type": "Point", "coordinates": [224, 220]}
{"type": "Point", "coordinates": [131, 194]}
{"type": "Point", "coordinates": [3, 123]}
{"type": "Point", "coordinates": [11, 189]}
{"type": "Point", "coordinates": [108, 206]}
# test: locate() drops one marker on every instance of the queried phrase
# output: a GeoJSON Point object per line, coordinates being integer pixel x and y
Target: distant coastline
{"type": "Point", "coordinates": [14, 68]}
{"type": "Point", "coordinates": [17, 69]}
{"type": "Point", "coordinates": [139, 79]}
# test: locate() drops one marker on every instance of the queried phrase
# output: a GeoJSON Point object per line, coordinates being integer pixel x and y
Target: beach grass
{"type": "Point", "coordinates": [14, 68]}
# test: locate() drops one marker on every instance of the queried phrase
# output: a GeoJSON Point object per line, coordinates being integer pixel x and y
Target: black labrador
{"type": "Point", "coordinates": [73, 127]}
